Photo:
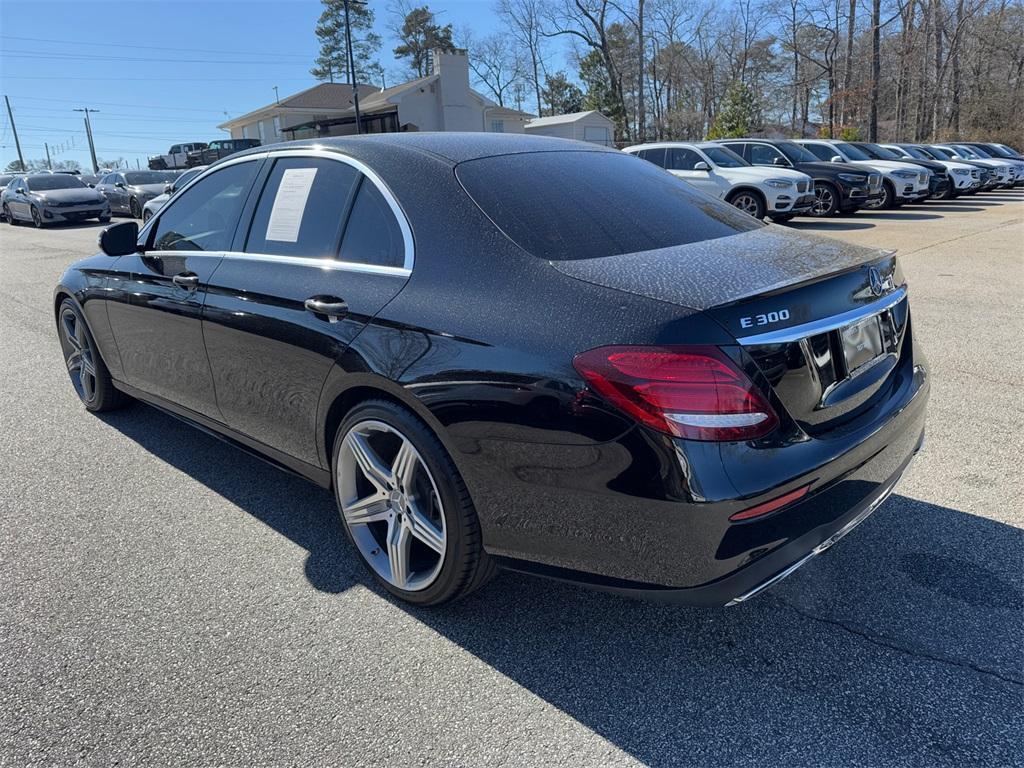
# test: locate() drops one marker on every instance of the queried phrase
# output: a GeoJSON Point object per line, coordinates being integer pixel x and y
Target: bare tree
{"type": "Point", "coordinates": [525, 23]}
{"type": "Point", "coordinates": [496, 63]}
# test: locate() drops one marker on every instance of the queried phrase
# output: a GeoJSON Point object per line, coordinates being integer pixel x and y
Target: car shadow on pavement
{"type": "Point", "coordinates": [829, 225]}
{"type": "Point", "coordinates": [901, 215]}
{"type": "Point", "coordinates": [901, 645]}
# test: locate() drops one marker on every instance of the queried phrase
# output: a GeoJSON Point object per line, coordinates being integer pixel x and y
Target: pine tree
{"type": "Point", "coordinates": [332, 63]}
{"type": "Point", "coordinates": [420, 34]}
{"type": "Point", "coordinates": [739, 115]}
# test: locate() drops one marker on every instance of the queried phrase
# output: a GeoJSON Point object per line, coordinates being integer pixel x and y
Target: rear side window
{"type": "Point", "coordinates": [302, 208]}
{"type": "Point", "coordinates": [204, 217]}
{"type": "Point", "coordinates": [373, 235]}
{"type": "Point", "coordinates": [656, 156]}
{"type": "Point", "coordinates": [561, 206]}
{"type": "Point", "coordinates": [681, 159]}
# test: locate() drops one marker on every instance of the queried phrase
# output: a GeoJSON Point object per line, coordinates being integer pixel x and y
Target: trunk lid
{"type": "Point", "coordinates": [824, 321]}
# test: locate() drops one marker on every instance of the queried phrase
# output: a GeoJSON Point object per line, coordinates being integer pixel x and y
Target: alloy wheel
{"type": "Point", "coordinates": [824, 201]}
{"type": "Point", "coordinates": [133, 207]}
{"type": "Point", "coordinates": [746, 203]}
{"type": "Point", "coordinates": [79, 355]}
{"type": "Point", "coordinates": [391, 506]}
{"type": "Point", "coordinates": [8, 216]}
{"type": "Point", "coordinates": [36, 218]}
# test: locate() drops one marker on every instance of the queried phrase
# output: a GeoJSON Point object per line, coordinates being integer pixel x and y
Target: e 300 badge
{"type": "Point", "coordinates": [769, 318]}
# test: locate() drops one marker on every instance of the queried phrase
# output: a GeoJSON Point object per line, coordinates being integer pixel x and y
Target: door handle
{"type": "Point", "coordinates": [331, 306]}
{"type": "Point", "coordinates": [186, 280]}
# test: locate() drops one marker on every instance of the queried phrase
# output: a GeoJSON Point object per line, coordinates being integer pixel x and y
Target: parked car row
{"type": "Point", "coordinates": [781, 179]}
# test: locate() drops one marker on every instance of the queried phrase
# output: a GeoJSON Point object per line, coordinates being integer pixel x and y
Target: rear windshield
{"type": "Point", "coordinates": [56, 181]}
{"type": "Point", "coordinates": [150, 177]}
{"type": "Point", "coordinates": [581, 205]}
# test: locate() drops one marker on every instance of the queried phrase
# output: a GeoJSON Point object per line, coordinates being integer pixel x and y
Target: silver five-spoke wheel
{"type": "Point", "coordinates": [79, 355]}
{"type": "Point", "coordinates": [391, 505]}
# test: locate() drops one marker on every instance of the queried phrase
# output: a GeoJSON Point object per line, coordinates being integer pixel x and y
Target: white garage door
{"type": "Point", "coordinates": [598, 134]}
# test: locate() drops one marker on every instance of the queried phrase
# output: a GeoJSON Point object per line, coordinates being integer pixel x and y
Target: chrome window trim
{"type": "Point", "coordinates": [299, 261]}
{"type": "Point", "coordinates": [826, 324]}
{"type": "Point", "coordinates": [351, 266]}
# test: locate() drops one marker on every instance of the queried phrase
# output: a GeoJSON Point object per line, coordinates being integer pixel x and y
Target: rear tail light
{"type": "Point", "coordinates": [696, 393]}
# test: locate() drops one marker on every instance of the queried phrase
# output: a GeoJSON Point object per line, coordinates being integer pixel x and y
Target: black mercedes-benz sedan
{"type": "Point", "coordinates": [519, 352]}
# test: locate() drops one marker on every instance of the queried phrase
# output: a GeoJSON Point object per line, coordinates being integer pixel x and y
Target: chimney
{"type": "Point", "coordinates": [457, 102]}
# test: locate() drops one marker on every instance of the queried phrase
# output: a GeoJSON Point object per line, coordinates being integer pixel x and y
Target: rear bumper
{"type": "Point", "coordinates": [692, 554]}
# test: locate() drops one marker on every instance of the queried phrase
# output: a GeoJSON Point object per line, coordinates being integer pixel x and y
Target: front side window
{"type": "Point", "coordinates": [566, 209]}
{"type": "Point", "coordinates": [373, 235]}
{"type": "Point", "coordinates": [762, 154]}
{"type": "Point", "coordinates": [302, 208]}
{"type": "Point", "coordinates": [204, 217]}
{"type": "Point", "coordinates": [821, 151]}
{"type": "Point", "coordinates": [852, 152]}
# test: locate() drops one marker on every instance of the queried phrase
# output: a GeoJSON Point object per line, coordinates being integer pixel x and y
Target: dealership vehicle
{"type": "Point", "coordinates": [994, 152]}
{"type": "Point", "coordinates": [128, 191]}
{"type": "Point", "coordinates": [963, 177]}
{"type": "Point", "coordinates": [49, 198]}
{"type": "Point", "coordinates": [688, 404]}
{"type": "Point", "coordinates": [901, 182]}
{"type": "Point", "coordinates": [218, 150]}
{"type": "Point", "coordinates": [986, 175]}
{"type": "Point", "coordinates": [176, 157]}
{"type": "Point", "coordinates": [1004, 171]}
{"type": "Point", "coordinates": [6, 179]}
{"type": "Point", "coordinates": [837, 187]}
{"type": "Point", "coordinates": [939, 184]}
{"type": "Point", "coordinates": [780, 193]}
{"type": "Point", "coordinates": [157, 202]}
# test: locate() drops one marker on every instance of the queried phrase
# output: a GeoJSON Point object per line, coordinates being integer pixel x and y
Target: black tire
{"type": "Point", "coordinates": [782, 218]}
{"type": "Point", "coordinates": [826, 200]}
{"type": "Point", "coordinates": [465, 566]}
{"type": "Point", "coordinates": [748, 201]}
{"type": "Point", "coordinates": [146, 215]}
{"type": "Point", "coordinates": [104, 219]}
{"type": "Point", "coordinates": [37, 218]}
{"type": "Point", "coordinates": [135, 209]}
{"type": "Point", "coordinates": [101, 394]}
{"type": "Point", "coordinates": [10, 218]}
{"type": "Point", "coordinates": [888, 201]}
{"type": "Point", "coordinates": [950, 192]}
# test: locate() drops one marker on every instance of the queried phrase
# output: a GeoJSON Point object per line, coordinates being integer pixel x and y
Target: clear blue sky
{"type": "Point", "coordinates": [163, 71]}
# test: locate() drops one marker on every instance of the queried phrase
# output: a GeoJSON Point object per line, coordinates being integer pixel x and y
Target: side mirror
{"type": "Point", "coordinates": [120, 239]}
{"type": "Point", "coordinates": [119, 185]}
{"type": "Point", "coordinates": [92, 186]}
{"type": "Point", "coordinates": [779, 161]}
{"type": "Point", "coordinates": [701, 166]}
{"type": "Point", "coordinates": [168, 188]}
{"type": "Point", "coordinates": [837, 159]}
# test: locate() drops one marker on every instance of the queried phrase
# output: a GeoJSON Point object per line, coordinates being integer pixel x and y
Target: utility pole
{"type": "Point", "coordinates": [14, 130]}
{"type": "Point", "coordinates": [88, 133]}
{"type": "Point", "coordinates": [352, 68]}
{"type": "Point", "coordinates": [277, 97]}
{"type": "Point", "coordinates": [48, 163]}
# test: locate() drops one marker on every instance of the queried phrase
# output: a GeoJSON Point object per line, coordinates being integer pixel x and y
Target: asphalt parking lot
{"type": "Point", "coordinates": [167, 600]}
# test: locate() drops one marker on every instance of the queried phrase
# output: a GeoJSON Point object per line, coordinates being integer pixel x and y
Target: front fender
{"type": "Point", "coordinates": [86, 283]}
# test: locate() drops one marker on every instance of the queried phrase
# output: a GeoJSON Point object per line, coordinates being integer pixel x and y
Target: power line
{"type": "Point", "coordinates": [152, 47]}
{"type": "Point", "coordinates": [106, 78]}
{"type": "Point", "coordinates": [123, 104]}
{"type": "Point", "coordinates": [18, 53]}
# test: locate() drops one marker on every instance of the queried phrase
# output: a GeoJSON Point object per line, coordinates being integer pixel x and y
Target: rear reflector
{"type": "Point", "coordinates": [771, 506]}
{"type": "Point", "coordinates": [694, 392]}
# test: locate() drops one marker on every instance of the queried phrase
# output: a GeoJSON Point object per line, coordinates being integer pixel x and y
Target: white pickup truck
{"type": "Point", "coordinates": [175, 157]}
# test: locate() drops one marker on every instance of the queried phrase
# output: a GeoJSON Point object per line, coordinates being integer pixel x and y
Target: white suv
{"type": "Point", "coordinates": [781, 193]}
{"type": "Point", "coordinates": [901, 182]}
{"type": "Point", "coordinates": [964, 177]}
{"type": "Point", "coordinates": [1005, 172]}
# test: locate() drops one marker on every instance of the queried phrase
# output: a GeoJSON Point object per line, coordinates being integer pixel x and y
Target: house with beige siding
{"type": "Point", "coordinates": [441, 101]}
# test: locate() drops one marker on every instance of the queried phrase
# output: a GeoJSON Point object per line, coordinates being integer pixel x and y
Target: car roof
{"type": "Point", "coordinates": [452, 148]}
